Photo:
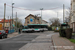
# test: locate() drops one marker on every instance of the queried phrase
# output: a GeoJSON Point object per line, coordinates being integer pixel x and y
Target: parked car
{"type": "Point", "coordinates": [3, 34]}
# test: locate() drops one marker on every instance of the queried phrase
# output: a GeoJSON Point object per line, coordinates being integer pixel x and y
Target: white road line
{"type": "Point", "coordinates": [50, 34]}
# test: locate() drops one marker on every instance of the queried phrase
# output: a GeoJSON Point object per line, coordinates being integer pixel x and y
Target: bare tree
{"type": "Point", "coordinates": [18, 22]}
{"type": "Point", "coordinates": [67, 18]}
{"type": "Point", "coordinates": [54, 21]}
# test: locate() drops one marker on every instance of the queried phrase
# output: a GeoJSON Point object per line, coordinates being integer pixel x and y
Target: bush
{"type": "Point", "coordinates": [50, 28]}
{"type": "Point", "coordinates": [62, 32]}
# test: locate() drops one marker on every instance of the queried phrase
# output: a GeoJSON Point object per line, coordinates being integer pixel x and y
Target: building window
{"type": "Point", "coordinates": [7, 24]}
{"type": "Point", "coordinates": [27, 21]}
{"type": "Point", "coordinates": [74, 7]}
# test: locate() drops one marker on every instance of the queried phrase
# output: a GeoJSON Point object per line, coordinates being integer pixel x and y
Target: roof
{"type": "Point", "coordinates": [45, 21]}
{"type": "Point", "coordinates": [64, 24]}
{"type": "Point", "coordinates": [33, 16]}
{"type": "Point", "coordinates": [2, 20]}
{"type": "Point", "coordinates": [29, 15]}
{"type": "Point", "coordinates": [36, 24]}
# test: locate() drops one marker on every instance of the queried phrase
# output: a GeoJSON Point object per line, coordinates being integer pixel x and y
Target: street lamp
{"type": "Point", "coordinates": [12, 13]}
{"type": "Point", "coordinates": [41, 14]}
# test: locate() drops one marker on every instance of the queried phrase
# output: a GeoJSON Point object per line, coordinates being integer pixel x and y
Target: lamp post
{"type": "Point", "coordinates": [16, 21]}
{"type": "Point", "coordinates": [63, 13]}
{"type": "Point", "coordinates": [12, 13]}
{"type": "Point", "coordinates": [41, 14]}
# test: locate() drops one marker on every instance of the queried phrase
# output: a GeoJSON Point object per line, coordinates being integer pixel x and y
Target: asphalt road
{"type": "Point", "coordinates": [16, 42]}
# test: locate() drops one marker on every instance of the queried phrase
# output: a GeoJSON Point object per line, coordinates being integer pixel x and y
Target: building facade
{"type": "Point", "coordinates": [31, 19]}
{"type": "Point", "coordinates": [72, 15]}
{"type": "Point", "coordinates": [8, 23]}
{"type": "Point", "coordinates": [45, 22]}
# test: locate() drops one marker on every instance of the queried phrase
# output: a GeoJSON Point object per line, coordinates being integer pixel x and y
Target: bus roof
{"type": "Point", "coordinates": [36, 24]}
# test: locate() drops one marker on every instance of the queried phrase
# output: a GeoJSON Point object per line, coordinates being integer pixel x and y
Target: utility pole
{"type": "Point", "coordinates": [16, 21]}
{"type": "Point", "coordinates": [10, 22]}
{"type": "Point", "coordinates": [63, 12]}
{"type": "Point", "coordinates": [57, 19]}
{"type": "Point", "coordinates": [4, 15]}
{"type": "Point", "coordinates": [41, 14]}
{"type": "Point", "coordinates": [12, 13]}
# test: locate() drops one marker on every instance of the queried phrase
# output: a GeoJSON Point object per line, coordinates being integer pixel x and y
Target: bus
{"type": "Point", "coordinates": [26, 29]}
{"type": "Point", "coordinates": [38, 27]}
{"type": "Point", "coordinates": [35, 28]}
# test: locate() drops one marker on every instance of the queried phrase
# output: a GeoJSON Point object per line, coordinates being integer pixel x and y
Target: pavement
{"type": "Point", "coordinates": [47, 40]}
{"type": "Point", "coordinates": [28, 41]}
{"type": "Point", "coordinates": [13, 34]}
{"type": "Point", "coordinates": [61, 43]}
{"type": "Point", "coordinates": [42, 42]}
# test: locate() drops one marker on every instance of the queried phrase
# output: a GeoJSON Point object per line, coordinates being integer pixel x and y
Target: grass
{"type": "Point", "coordinates": [73, 33]}
{"type": "Point", "coordinates": [72, 40]}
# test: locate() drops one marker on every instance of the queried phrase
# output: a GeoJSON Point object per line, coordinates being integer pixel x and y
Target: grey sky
{"type": "Point", "coordinates": [34, 5]}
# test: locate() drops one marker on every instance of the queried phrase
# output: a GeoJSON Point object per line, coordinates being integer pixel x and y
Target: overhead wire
{"type": "Point", "coordinates": [31, 9]}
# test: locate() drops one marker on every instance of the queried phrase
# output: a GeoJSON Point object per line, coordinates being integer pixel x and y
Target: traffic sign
{"type": "Point", "coordinates": [13, 25]}
{"type": "Point", "coordinates": [31, 20]}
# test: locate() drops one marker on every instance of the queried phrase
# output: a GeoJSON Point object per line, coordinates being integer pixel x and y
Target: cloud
{"type": "Point", "coordinates": [34, 5]}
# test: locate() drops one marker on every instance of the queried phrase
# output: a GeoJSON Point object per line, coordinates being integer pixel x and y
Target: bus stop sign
{"type": "Point", "coordinates": [31, 20]}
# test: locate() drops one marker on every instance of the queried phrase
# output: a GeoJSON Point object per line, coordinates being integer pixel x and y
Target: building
{"type": "Point", "coordinates": [45, 22]}
{"type": "Point", "coordinates": [7, 24]}
{"type": "Point", "coordinates": [72, 15]}
{"type": "Point", "coordinates": [32, 19]}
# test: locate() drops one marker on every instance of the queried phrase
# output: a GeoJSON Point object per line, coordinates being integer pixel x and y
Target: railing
{"type": "Point", "coordinates": [11, 31]}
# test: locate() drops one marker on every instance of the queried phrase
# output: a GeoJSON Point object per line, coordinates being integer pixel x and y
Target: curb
{"type": "Point", "coordinates": [53, 43]}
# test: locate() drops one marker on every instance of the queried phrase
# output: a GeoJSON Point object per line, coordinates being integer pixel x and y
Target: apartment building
{"type": "Point", "coordinates": [32, 19]}
{"type": "Point", "coordinates": [72, 15]}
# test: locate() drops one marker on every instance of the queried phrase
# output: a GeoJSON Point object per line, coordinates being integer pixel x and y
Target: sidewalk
{"type": "Point", "coordinates": [61, 42]}
{"type": "Point", "coordinates": [13, 34]}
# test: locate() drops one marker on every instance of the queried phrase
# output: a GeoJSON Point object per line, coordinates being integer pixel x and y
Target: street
{"type": "Point", "coordinates": [28, 41]}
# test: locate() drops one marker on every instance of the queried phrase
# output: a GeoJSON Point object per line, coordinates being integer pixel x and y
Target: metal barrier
{"type": "Point", "coordinates": [11, 31]}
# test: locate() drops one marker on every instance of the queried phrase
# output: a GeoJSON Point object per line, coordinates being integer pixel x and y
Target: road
{"type": "Point", "coordinates": [25, 39]}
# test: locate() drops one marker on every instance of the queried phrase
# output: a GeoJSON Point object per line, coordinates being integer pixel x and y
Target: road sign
{"type": "Point", "coordinates": [31, 20]}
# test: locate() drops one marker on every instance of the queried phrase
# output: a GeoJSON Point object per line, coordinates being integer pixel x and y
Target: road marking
{"type": "Point", "coordinates": [50, 35]}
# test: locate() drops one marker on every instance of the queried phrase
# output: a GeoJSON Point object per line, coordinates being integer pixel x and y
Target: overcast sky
{"type": "Point", "coordinates": [51, 7]}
